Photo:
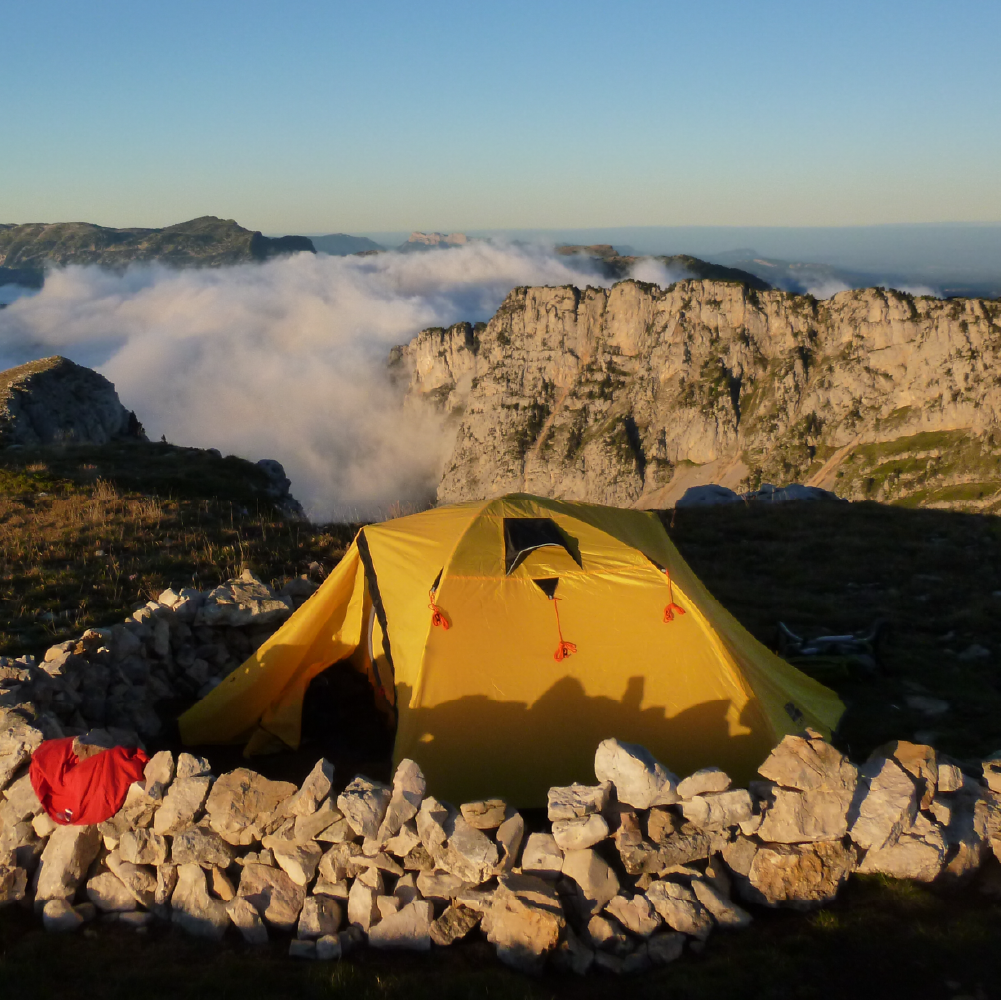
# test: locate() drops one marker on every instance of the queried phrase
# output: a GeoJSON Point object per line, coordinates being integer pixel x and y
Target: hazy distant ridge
{"type": "Point", "coordinates": [26, 250]}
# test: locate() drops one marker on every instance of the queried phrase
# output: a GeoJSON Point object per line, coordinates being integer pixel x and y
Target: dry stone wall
{"type": "Point", "coordinates": [629, 871]}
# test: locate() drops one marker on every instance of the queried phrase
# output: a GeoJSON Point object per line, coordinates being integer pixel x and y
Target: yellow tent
{"type": "Point", "coordinates": [512, 636]}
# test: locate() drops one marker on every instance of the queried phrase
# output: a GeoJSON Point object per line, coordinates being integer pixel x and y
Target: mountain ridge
{"type": "Point", "coordinates": [630, 394]}
{"type": "Point", "coordinates": [26, 250]}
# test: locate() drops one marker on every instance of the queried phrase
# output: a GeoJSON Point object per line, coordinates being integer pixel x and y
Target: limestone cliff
{"type": "Point", "coordinates": [631, 394]}
{"type": "Point", "coordinates": [55, 401]}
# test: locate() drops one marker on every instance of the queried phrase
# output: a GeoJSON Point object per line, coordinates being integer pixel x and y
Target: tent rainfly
{"type": "Point", "coordinates": [509, 637]}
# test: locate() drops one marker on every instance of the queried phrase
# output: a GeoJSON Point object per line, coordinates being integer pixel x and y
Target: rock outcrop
{"type": "Point", "coordinates": [55, 401]}
{"type": "Point", "coordinates": [632, 394]}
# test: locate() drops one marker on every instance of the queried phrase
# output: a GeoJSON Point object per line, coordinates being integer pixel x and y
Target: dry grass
{"type": "Point", "coordinates": [83, 551]}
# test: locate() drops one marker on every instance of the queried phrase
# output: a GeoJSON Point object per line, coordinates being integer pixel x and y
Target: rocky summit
{"type": "Point", "coordinates": [632, 394]}
{"type": "Point", "coordinates": [55, 401]}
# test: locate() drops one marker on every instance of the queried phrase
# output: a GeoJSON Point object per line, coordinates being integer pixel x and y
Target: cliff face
{"type": "Point", "coordinates": [631, 394]}
{"type": "Point", "coordinates": [55, 401]}
{"type": "Point", "coordinates": [207, 241]}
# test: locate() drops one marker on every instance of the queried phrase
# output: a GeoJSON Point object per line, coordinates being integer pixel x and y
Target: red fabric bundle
{"type": "Point", "coordinates": [83, 792]}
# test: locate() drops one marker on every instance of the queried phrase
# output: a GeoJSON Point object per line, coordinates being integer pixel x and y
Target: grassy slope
{"type": "Point", "coordinates": [86, 533]}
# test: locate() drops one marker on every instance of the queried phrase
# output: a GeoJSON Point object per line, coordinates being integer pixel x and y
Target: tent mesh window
{"type": "Point", "coordinates": [526, 534]}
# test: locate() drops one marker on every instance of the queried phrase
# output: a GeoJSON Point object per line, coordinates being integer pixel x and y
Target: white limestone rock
{"type": "Point", "coordinates": [242, 803]}
{"type": "Point", "coordinates": [143, 847]}
{"type": "Point", "coordinates": [245, 601]}
{"type": "Point", "coordinates": [578, 801]}
{"type": "Point", "coordinates": [709, 779]}
{"type": "Point", "coordinates": [886, 805]}
{"type": "Point", "coordinates": [486, 814]}
{"type": "Point", "coordinates": [65, 860]}
{"type": "Point", "coordinates": [315, 788]}
{"type": "Point", "coordinates": [58, 915]}
{"type": "Point", "coordinates": [190, 766]}
{"type": "Point", "coordinates": [299, 861]}
{"type": "Point", "coordinates": [800, 876]}
{"type": "Point", "coordinates": [454, 924]}
{"type": "Point", "coordinates": [636, 914]}
{"type": "Point", "coordinates": [597, 884]}
{"type": "Point", "coordinates": [680, 908]}
{"type": "Point", "coordinates": [320, 916]}
{"type": "Point", "coordinates": [409, 929]}
{"type": "Point", "coordinates": [273, 894]}
{"type": "Point", "coordinates": [140, 880]}
{"type": "Point", "coordinates": [364, 802]}
{"type": "Point", "coordinates": [523, 935]}
{"type": "Point", "coordinates": [815, 787]}
{"type": "Point", "coordinates": [328, 948]}
{"type": "Point", "coordinates": [579, 833]}
{"type": "Point", "coordinates": [468, 853]}
{"type": "Point", "coordinates": [542, 856]}
{"type": "Point", "coordinates": [247, 921]}
{"type": "Point", "coordinates": [199, 845]}
{"type": "Point", "coordinates": [509, 837]}
{"type": "Point", "coordinates": [665, 947]}
{"type": "Point", "coordinates": [639, 779]}
{"type": "Point", "coordinates": [109, 894]}
{"type": "Point", "coordinates": [718, 809]}
{"type": "Point", "coordinates": [725, 912]}
{"type": "Point", "coordinates": [193, 909]}
{"type": "Point", "coordinates": [13, 884]}
{"type": "Point", "coordinates": [409, 788]}
{"type": "Point", "coordinates": [181, 805]}
{"type": "Point", "coordinates": [363, 910]}
{"type": "Point", "coordinates": [918, 853]}
{"type": "Point", "coordinates": [18, 741]}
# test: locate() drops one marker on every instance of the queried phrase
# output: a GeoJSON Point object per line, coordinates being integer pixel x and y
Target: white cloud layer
{"type": "Point", "coordinates": [284, 360]}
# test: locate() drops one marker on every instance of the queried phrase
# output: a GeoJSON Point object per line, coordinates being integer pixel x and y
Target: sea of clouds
{"type": "Point", "coordinates": [284, 360]}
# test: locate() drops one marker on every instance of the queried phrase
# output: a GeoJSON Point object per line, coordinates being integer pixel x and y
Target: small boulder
{"type": "Point", "coordinates": [709, 779]}
{"type": "Point", "coordinates": [639, 779]}
{"type": "Point", "coordinates": [542, 856]}
{"type": "Point", "coordinates": [636, 914]}
{"type": "Point", "coordinates": [241, 802]}
{"type": "Point", "coordinates": [578, 801]}
{"type": "Point", "coordinates": [454, 924]}
{"type": "Point", "coordinates": [487, 814]}
{"type": "Point", "coordinates": [408, 929]}
{"type": "Point", "coordinates": [597, 884]}
{"type": "Point", "coordinates": [364, 803]}
{"type": "Point", "coordinates": [193, 909]}
{"type": "Point", "coordinates": [59, 915]}
{"type": "Point", "coordinates": [579, 833]}
{"type": "Point", "coordinates": [319, 917]}
{"type": "Point", "coordinates": [273, 894]}
{"type": "Point", "coordinates": [65, 860]}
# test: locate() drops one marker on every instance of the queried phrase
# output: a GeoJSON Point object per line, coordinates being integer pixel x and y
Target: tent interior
{"type": "Point", "coordinates": [503, 640]}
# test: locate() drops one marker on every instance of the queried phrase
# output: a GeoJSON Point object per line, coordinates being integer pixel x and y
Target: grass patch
{"type": "Point", "coordinates": [87, 533]}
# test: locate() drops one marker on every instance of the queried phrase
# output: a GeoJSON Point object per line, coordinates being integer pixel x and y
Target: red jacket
{"type": "Point", "coordinates": [83, 792]}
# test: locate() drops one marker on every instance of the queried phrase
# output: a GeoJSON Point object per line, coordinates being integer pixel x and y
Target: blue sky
{"type": "Point", "coordinates": [322, 117]}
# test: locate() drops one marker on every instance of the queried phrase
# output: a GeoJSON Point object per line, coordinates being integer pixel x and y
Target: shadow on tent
{"type": "Point", "coordinates": [476, 746]}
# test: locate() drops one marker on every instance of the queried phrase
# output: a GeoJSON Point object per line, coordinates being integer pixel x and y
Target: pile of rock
{"type": "Point", "coordinates": [179, 646]}
{"type": "Point", "coordinates": [632, 869]}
